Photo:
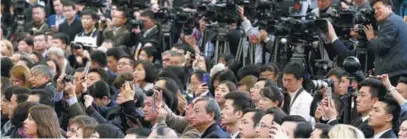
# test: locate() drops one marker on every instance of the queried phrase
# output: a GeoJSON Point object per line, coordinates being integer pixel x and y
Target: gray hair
{"type": "Point", "coordinates": [211, 106]}
{"type": "Point", "coordinates": [56, 51]}
{"type": "Point", "coordinates": [44, 70]}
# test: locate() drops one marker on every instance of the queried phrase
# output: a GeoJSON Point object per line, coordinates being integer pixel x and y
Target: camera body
{"type": "Point", "coordinates": [68, 78]}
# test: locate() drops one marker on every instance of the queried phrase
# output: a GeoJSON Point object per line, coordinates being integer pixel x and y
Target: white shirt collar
{"type": "Point", "coordinates": [378, 135]}
{"type": "Point", "coordinates": [365, 118]}
{"type": "Point", "coordinates": [149, 30]}
{"type": "Point", "coordinates": [235, 135]}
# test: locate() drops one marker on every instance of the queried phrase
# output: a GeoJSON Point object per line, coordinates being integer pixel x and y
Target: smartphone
{"type": "Point", "coordinates": [206, 79]}
{"type": "Point", "coordinates": [154, 95]}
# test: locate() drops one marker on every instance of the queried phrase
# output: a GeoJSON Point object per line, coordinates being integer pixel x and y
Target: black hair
{"type": "Point", "coordinates": [185, 47]}
{"type": "Point", "coordinates": [102, 73]}
{"type": "Point", "coordinates": [278, 114]}
{"type": "Point", "coordinates": [30, 63]}
{"type": "Point", "coordinates": [21, 113]}
{"type": "Point", "coordinates": [8, 92]}
{"type": "Point", "coordinates": [268, 83]}
{"type": "Point", "coordinates": [80, 69]}
{"type": "Point", "coordinates": [376, 87]}
{"type": "Point", "coordinates": [170, 84]}
{"type": "Point", "coordinates": [228, 58]}
{"type": "Point", "coordinates": [6, 65]}
{"type": "Point", "coordinates": [21, 94]}
{"type": "Point", "coordinates": [109, 131]}
{"type": "Point", "coordinates": [149, 69]}
{"type": "Point", "coordinates": [28, 40]}
{"type": "Point", "coordinates": [150, 51]}
{"type": "Point", "coordinates": [324, 128]}
{"type": "Point", "coordinates": [91, 13]}
{"type": "Point", "coordinates": [131, 59]}
{"type": "Point", "coordinates": [258, 114]}
{"type": "Point", "coordinates": [249, 70]}
{"type": "Point", "coordinates": [385, 2]}
{"type": "Point", "coordinates": [296, 69]}
{"type": "Point", "coordinates": [140, 132]}
{"type": "Point", "coordinates": [166, 73]}
{"type": "Point", "coordinates": [359, 75]}
{"type": "Point", "coordinates": [199, 74]}
{"type": "Point", "coordinates": [337, 72]}
{"type": "Point", "coordinates": [39, 56]}
{"type": "Point", "coordinates": [241, 101]}
{"type": "Point", "coordinates": [303, 130]}
{"type": "Point", "coordinates": [227, 75]}
{"type": "Point", "coordinates": [272, 93]}
{"type": "Point", "coordinates": [61, 36]}
{"type": "Point", "coordinates": [393, 108]}
{"type": "Point", "coordinates": [123, 10]}
{"type": "Point", "coordinates": [42, 95]}
{"type": "Point", "coordinates": [148, 14]}
{"type": "Point", "coordinates": [270, 67]}
{"type": "Point", "coordinates": [99, 90]}
{"type": "Point", "coordinates": [403, 80]}
{"type": "Point", "coordinates": [38, 6]}
{"type": "Point", "coordinates": [68, 3]}
{"type": "Point", "coordinates": [294, 118]}
{"type": "Point", "coordinates": [116, 53]}
{"type": "Point", "coordinates": [99, 57]}
{"type": "Point", "coordinates": [179, 72]}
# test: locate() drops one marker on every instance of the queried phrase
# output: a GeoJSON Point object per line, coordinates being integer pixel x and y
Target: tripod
{"type": "Point", "coordinates": [221, 45]}
{"type": "Point", "coordinates": [347, 118]}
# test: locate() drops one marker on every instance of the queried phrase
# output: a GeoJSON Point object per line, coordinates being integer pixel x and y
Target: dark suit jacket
{"type": "Point", "coordinates": [42, 28]}
{"type": "Point", "coordinates": [71, 29]}
{"type": "Point", "coordinates": [364, 127]}
{"type": "Point", "coordinates": [152, 37]}
{"type": "Point", "coordinates": [389, 134]}
{"type": "Point", "coordinates": [214, 131]}
{"type": "Point", "coordinates": [120, 38]}
{"type": "Point", "coordinates": [390, 46]}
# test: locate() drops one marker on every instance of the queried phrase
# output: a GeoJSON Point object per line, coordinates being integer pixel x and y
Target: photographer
{"type": "Point", "coordinates": [117, 31]}
{"type": "Point", "coordinates": [149, 34]}
{"type": "Point", "coordinates": [390, 42]}
{"type": "Point", "coordinates": [38, 20]}
{"type": "Point", "coordinates": [93, 34]}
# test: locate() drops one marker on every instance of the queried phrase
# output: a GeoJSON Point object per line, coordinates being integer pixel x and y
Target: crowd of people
{"type": "Point", "coordinates": [78, 72]}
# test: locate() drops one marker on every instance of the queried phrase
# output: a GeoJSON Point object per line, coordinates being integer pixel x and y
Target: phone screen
{"type": "Point", "coordinates": [205, 78]}
{"type": "Point", "coordinates": [154, 102]}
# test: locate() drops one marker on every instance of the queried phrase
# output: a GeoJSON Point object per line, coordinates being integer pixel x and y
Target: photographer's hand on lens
{"type": "Point", "coordinates": [331, 32]}
{"type": "Point", "coordinates": [369, 31]}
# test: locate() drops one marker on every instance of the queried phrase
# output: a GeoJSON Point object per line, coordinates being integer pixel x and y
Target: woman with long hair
{"type": "Point", "coordinates": [42, 122]}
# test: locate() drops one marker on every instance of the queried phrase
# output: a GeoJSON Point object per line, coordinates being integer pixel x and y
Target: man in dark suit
{"type": "Point", "coordinates": [390, 41]}
{"type": "Point", "coordinates": [369, 93]}
{"type": "Point", "coordinates": [206, 114]}
{"type": "Point", "coordinates": [150, 34]}
{"type": "Point", "coordinates": [72, 25]}
{"type": "Point", "coordinates": [235, 105]}
{"type": "Point", "coordinates": [383, 117]}
{"type": "Point", "coordinates": [38, 23]}
{"type": "Point", "coordinates": [118, 33]}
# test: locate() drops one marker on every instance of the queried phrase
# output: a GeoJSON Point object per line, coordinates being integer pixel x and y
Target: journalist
{"type": "Point", "coordinates": [389, 43]}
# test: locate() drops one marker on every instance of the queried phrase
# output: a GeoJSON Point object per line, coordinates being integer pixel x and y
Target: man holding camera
{"type": "Point", "coordinates": [390, 41]}
{"type": "Point", "coordinates": [149, 34]}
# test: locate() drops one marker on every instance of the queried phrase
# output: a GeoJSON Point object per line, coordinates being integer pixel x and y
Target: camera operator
{"type": "Point", "coordinates": [149, 34]}
{"type": "Point", "coordinates": [88, 19]}
{"type": "Point", "coordinates": [38, 20]}
{"type": "Point", "coordinates": [255, 37]}
{"type": "Point", "coordinates": [117, 31]}
{"type": "Point", "coordinates": [390, 42]}
{"type": "Point", "coordinates": [206, 48]}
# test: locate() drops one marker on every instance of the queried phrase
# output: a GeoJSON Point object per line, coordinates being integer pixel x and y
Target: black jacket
{"type": "Point", "coordinates": [214, 131]}
{"type": "Point", "coordinates": [389, 134]}
{"type": "Point", "coordinates": [71, 29]}
{"type": "Point", "coordinates": [390, 46]}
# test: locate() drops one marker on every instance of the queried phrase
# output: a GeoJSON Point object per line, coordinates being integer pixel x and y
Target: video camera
{"type": "Point", "coordinates": [362, 18]}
